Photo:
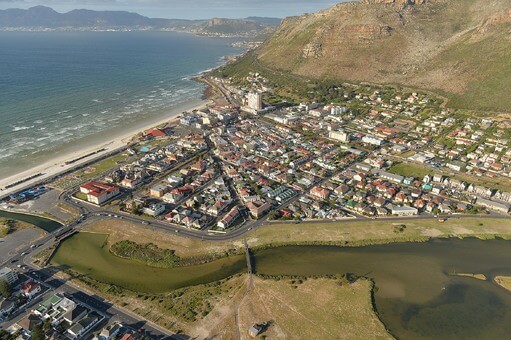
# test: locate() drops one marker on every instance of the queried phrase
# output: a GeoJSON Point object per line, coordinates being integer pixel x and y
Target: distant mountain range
{"type": "Point", "coordinates": [45, 18]}
{"type": "Point", "coordinates": [459, 48]}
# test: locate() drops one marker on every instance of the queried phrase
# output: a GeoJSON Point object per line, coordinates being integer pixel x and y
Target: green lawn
{"type": "Point", "coordinates": [92, 171]}
{"type": "Point", "coordinates": [411, 170]}
{"type": "Point", "coordinates": [80, 196]}
{"type": "Point", "coordinates": [100, 167]}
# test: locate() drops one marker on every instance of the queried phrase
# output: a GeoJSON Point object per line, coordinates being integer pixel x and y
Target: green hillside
{"type": "Point", "coordinates": [458, 48]}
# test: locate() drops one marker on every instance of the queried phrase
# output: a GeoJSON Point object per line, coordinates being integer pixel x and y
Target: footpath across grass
{"type": "Point", "coordinates": [312, 309]}
{"type": "Point", "coordinates": [366, 232]}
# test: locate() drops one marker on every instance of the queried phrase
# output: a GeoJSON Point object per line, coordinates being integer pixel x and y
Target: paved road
{"type": "Point", "coordinates": [12, 244]}
{"type": "Point", "coordinates": [90, 212]}
{"type": "Point", "coordinates": [78, 294]}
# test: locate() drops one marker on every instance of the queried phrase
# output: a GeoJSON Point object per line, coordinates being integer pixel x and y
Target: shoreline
{"type": "Point", "coordinates": [101, 148]}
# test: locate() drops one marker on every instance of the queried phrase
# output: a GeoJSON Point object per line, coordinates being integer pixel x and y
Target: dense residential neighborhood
{"type": "Point", "coordinates": [222, 166]}
{"type": "Point", "coordinates": [233, 166]}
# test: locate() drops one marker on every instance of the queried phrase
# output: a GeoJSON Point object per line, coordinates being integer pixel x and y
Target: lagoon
{"type": "Point", "coordinates": [416, 294]}
{"type": "Point", "coordinates": [44, 223]}
{"type": "Point", "coordinates": [88, 253]}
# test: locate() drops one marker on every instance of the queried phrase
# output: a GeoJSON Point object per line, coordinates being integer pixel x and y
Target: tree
{"type": "Point", "coordinates": [47, 324]}
{"type": "Point", "coordinates": [4, 335]}
{"type": "Point", "coordinates": [134, 208]}
{"type": "Point", "coordinates": [37, 333]}
{"type": "Point", "coordinates": [5, 288]}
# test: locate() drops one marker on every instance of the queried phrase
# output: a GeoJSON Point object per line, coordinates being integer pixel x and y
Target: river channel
{"type": "Point", "coordinates": [417, 295]}
{"type": "Point", "coordinates": [44, 223]}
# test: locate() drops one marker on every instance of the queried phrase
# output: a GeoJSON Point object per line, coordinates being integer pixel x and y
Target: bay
{"type": "Point", "coordinates": [62, 90]}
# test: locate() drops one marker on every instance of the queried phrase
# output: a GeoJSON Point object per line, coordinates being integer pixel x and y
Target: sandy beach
{"type": "Point", "coordinates": [56, 165]}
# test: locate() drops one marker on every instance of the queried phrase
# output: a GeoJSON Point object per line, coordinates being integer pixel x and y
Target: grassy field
{"type": "Point", "coordinates": [349, 233]}
{"type": "Point", "coordinates": [89, 172]}
{"type": "Point", "coordinates": [377, 231]}
{"type": "Point", "coordinates": [313, 309]}
{"type": "Point", "coordinates": [200, 311]}
{"type": "Point", "coordinates": [9, 226]}
{"type": "Point", "coordinates": [119, 230]}
{"type": "Point", "coordinates": [207, 311]}
{"type": "Point", "coordinates": [411, 170]}
{"type": "Point", "coordinates": [80, 195]}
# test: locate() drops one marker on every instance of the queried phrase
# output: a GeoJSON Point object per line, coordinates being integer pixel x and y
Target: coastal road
{"type": "Point", "coordinates": [252, 225]}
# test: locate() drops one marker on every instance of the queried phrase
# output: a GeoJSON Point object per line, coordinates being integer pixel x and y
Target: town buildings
{"type": "Point", "coordinates": [8, 275]}
{"type": "Point", "coordinates": [255, 101]}
{"type": "Point", "coordinates": [99, 193]}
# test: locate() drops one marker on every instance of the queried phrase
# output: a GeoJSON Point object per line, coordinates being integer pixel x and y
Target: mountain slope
{"type": "Point", "coordinates": [41, 17]}
{"type": "Point", "coordinates": [460, 47]}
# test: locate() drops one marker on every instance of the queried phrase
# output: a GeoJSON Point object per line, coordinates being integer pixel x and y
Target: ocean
{"type": "Point", "coordinates": [62, 90]}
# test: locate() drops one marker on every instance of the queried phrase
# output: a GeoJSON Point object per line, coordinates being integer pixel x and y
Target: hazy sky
{"type": "Point", "coordinates": [188, 9]}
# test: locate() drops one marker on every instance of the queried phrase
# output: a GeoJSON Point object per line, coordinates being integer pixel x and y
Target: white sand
{"type": "Point", "coordinates": [57, 165]}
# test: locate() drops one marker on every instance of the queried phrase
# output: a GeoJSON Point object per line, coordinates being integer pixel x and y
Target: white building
{"type": "Point", "coordinates": [456, 165]}
{"type": "Point", "coordinates": [338, 110]}
{"type": "Point", "coordinates": [154, 209]}
{"type": "Point", "coordinates": [229, 218]}
{"type": "Point", "coordinates": [372, 140]}
{"type": "Point", "coordinates": [391, 177]}
{"type": "Point", "coordinates": [8, 275]}
{"type": "Point", "coordinates": [341, 136]}
{"type": "Point", "coordinates": [501, 207]}
{"type": "Point", "coordinates": [404, 211]}
{"type": "Point", "coordinates": [255, 101]}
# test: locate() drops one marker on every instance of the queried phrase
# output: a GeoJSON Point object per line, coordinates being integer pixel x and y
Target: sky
{"type": "Point", "coordinates": [185, 9]}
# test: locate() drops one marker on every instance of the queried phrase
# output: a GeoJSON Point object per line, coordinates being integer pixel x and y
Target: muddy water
{"type": "Point", "coordinates": [417, 297]}
{"type": "Point", "coordinates": [44, 223]}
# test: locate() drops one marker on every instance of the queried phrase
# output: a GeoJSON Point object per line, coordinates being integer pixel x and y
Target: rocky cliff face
{"type": "Point", "coordinates": [436, 44]}
{"type": "Point", "coordinates": [398, 3]}
{"type": "Point", "coordinates": [234, 26]}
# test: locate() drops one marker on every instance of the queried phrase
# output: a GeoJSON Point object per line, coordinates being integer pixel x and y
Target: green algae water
{"type": "Point", "coordinates": [87, 253]}
{"type": "Point", "coordinates": [417, 295]}
{"type": "Point", "coordinates": [44, 223]}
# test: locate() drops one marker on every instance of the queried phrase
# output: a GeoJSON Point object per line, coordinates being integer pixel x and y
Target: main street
{"type": "Point", "coordinates": [89, 213]}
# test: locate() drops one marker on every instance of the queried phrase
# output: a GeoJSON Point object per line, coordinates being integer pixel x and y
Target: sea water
{"type": "Point", "coordinates": [62, 90]}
